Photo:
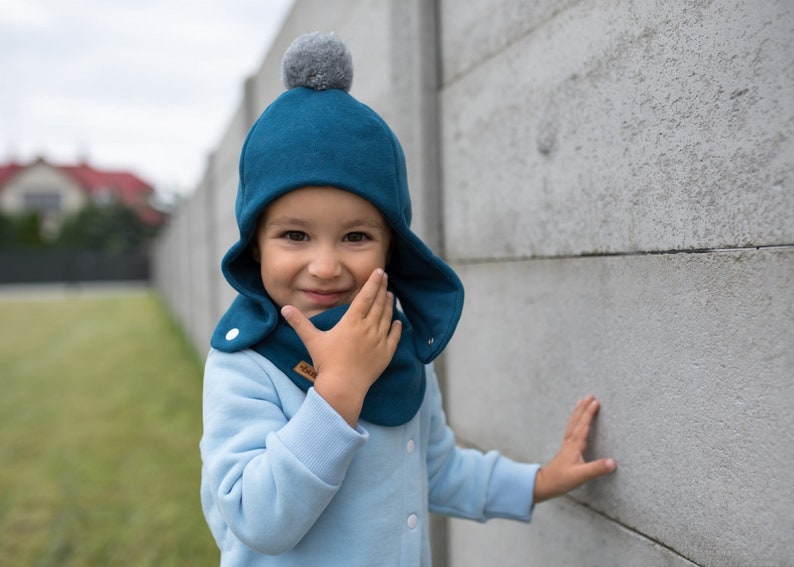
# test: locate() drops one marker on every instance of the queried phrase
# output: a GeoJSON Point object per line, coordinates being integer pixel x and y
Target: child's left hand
{"type": "Point", "coordinates": [568, 469]}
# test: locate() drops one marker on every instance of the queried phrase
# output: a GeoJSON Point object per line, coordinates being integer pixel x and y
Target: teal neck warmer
{"type": "Point", "coordinates": [392, 400]}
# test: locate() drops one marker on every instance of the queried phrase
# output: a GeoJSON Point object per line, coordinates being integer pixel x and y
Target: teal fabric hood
{"type": "Point", "coordinates": [310, 137]}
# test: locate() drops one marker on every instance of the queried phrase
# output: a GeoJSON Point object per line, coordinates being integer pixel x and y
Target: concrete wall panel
{"type": "Point", "coordinates": [623, 126]}
{"type": "Point", "coordinates": [222, 175]}
{"type": "Point", "coordinates": [470, 36]}
{"type": "Point", "coordinates": [691, 357]}
{"type": "Point", "coordinates": [414, 83]}
{"type": "Point", "coordinates": [181, 288]}
{"type": "Point", "coordinates": [201, 319]}
{"type": "Point", "coordinates": [562, 533]}
{"type": "Point", "coordinates": [366, 33]}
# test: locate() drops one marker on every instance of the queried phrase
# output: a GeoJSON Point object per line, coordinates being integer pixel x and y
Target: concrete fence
{"type": "Point", "coordinates": [614, 182]}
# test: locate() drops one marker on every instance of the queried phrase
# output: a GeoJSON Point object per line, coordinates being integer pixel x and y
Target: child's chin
{"type": "Point", "coordinates": [310, 312]}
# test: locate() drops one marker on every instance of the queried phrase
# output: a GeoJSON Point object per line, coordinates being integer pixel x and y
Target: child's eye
{"type": "Point", "coordinates": [295, 235]}
{"type": "Point", "coordinates": [356, 237]}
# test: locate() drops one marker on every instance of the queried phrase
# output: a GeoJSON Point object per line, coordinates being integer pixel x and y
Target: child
{"type": "Point", "coordinates": [325, 442]}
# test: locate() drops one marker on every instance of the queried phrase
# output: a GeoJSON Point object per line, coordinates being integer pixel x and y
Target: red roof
{"type": "Point", "coordinates": [127, 187]}
{"type": "Point", "coordinates": [8, 171]}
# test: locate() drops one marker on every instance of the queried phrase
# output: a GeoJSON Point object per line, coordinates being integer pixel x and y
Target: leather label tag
{"type": "Point", "coordinates": [306, 370]}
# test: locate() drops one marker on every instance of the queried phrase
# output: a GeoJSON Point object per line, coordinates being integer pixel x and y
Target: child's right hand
{"type": "Point", "coordinates": [353, 354]}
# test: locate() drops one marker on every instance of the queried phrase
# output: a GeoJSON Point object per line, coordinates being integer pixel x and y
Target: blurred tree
{"type": "Point", "coordinates": [21, 231]}
{"type": "Point", "coordinates": [109, 228]}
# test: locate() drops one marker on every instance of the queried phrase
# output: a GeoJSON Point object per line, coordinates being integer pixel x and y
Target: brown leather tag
{"type": "Point", "coordinates": [306, 370]}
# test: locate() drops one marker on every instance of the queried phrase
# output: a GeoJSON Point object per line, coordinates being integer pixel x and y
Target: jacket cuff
{"type": "Point", "coordinates": [511, 490]}
{"type": "Point", "coordinates": [321, 439]}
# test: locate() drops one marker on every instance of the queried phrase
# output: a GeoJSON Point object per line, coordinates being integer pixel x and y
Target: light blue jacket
{"type": "Point", "coordinates": [285, 480]}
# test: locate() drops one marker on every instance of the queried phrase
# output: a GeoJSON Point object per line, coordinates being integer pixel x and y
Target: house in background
{"type": "Point", "coordinates": [56, 191]}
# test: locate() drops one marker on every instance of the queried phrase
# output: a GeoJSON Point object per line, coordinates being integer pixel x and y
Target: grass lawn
{"type": "Point", "coordinates": [100, 418]}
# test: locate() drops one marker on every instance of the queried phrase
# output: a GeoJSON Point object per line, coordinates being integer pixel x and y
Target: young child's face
{"type": "Point", "coordinates": [317, 246]}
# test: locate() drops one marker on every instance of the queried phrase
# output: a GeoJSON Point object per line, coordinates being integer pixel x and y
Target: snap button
{"type": "Point", "coordinates": [410, 447]}
{"type": "Point", "coordinates": [430, 341]}
{"type": "Point", "coordinates": [232, 334]}
{"type": "Point", "coordinates": [412, 521]}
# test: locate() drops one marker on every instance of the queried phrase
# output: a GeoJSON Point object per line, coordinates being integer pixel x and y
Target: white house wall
{"type": "Point", "coordinates": [42, 178]}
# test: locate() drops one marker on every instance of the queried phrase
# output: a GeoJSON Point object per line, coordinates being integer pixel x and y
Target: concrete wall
{"type": "Point", "coordinates": [613, 180]}
{"type": "Point", "coordinates": [611, 170]}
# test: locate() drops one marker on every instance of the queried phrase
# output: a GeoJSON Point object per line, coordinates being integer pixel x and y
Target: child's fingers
{"type": "Point", "coordinates": [595, 469]}
{"type": "Point", "coordinates": [298, 321]}
{"type": "Point", "coordinates": [579, 414]}
{"type": "Point", "coordinates": [395, 331]}
{"type": "Point", "coordinates": [578, 429]}
{"type": "Point", "coordinates": [585, 412]}
{"type": "Point", "coordinates": [386, 312]}
{"type": "Point", "coordinates": [364, 300]}
{"type": "Point", "coordinates": [378, 311]}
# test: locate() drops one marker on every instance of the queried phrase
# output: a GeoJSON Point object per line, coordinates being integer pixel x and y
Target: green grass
{"type": "Point", "coordinates": [100, 418]}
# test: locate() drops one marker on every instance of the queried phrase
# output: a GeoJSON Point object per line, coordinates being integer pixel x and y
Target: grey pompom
{"type": "Point", "coordinates": [318, 61]}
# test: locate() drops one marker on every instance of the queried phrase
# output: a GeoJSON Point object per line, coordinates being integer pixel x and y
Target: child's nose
{"type": "Point", "coordinates": [325, 264]}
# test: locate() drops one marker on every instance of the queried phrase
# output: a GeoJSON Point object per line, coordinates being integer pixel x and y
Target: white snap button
{"type": "Point", "coordinates": [410, 447]}
{"type": "Point", "coordinates": [412, 521]}
{"type": "Point", "coordinates": [430, 341]}
{"type": "Point", "coordinates": [232, 334]}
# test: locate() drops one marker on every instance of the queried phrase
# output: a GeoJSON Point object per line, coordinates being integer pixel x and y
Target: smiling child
{"type": "Point", "coordinates": [325, 440]}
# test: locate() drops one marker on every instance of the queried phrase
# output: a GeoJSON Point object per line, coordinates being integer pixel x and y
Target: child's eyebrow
{"type": "Point", "coordinates": [283, 221]}
{"type": "Point", "coordinates": [287, 221]}
{"type": "Point", "coordinates": [366, 222]}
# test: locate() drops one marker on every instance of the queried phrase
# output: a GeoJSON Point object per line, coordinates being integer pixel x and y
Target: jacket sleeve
{"type": "Point", "coordinates": [267, 478]}
{"type": "Point", "coordinates": [467, 483]}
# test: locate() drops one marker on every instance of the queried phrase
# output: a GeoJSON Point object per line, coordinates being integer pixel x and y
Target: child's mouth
{"type": "Point", "coordinates": [322, 298]}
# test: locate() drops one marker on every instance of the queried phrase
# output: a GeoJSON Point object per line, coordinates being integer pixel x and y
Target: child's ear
{"type": "Point", "coordinates": [253, 245]}
{"type": "Point", "coordinates": [255, 253]}
{"type": "Point", "coordinates": [392, 248]}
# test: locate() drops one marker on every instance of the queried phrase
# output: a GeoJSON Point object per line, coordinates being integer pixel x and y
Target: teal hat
{"type": "Point", "coordinates": [317, 134]}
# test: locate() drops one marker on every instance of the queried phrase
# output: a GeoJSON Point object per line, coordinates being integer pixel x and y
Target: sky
{"type": "Point", "coordinates": [146, 86]}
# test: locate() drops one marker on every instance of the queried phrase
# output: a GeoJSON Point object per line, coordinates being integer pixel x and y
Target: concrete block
{"type": "Point", "coordinates": [691, 356]}
{"type": "Point", "coordinates": [562, 533]}
{"type": "Point", "coordinates": [414, 86]}
{"type": "Point", "coordinates": [161, 255]}
{"type": "Point", "coordinates": [366, 32]}
{"type": "Point", "coordinates": [200, 287]}
{"type": "Point", "coordinates": [225, 180]}
{"type": "Point", "coordinates": [179, 300]}
{"type": "Point", "coordinates": [471, 35]}
{"type": "Point", "coordinates": [619, 126]}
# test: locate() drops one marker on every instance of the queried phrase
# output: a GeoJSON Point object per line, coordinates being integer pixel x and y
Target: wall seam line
{"type": "Point", "coordinates": [671, 252]}
{"type": "Point", "coordinates": [461, 74]}
{"type": "Point", "coordinates": [462, 442]}
{"type": "Point", "coordinates": [632, 530]}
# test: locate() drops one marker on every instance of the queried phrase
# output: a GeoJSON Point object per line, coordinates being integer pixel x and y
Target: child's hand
{"type": "Point", "coordinates": [353, 354]}
{"type": "Point", "coordinates": [568, 469]}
